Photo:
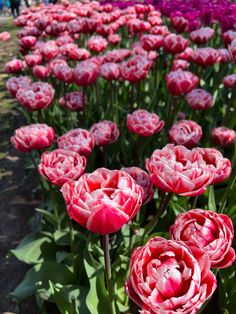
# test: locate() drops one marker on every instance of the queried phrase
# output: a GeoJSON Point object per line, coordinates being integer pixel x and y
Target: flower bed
{"type": "Point", "coordinates": [131, 131]}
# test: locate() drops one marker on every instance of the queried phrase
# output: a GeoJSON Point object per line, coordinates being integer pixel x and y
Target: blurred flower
{"type": "Point", "coordinates": [74, 101]}
{"type": "Point", "coordinates": [5, 36]}
{"type": "Point", "coordinates": [97, 43]}
{"type": "Point", "coordinates": [60, 166]}
{"type": "Point", "coordinates": [202, 35]}
{"type": "Point", "coordinates": [223, 136]}
{"type": "Point", "coordinates": [104, 132]}
{"type": "Point", "coordinates": [181, 82]}
{"type": "Point", "coordinates": [110, 71]}
{"type": "Point", "coordinates": [199, 99]}
{"type": "Point", "coordinates": [64, 73]}
{"type": "Point", "coordinates": [33, 136]}
{"type": "Point", "coordinates": [151, 42]}
{"type": "Point", "coordinates": [103, 201]}
{"type": "Point", "coordinates": [41, 72]}
{"type": "Point", "coordinates": [205, 56]}
{"type": "Point", "coordinates": [15, 83]}
{"type": "Point", "coordinates": [136, 68]}
{"type": "Point", "coordinates": [229, 81]}
{"type": "Point", "coordinates": [175, 43]}
{"type": "Point", "coordinates": [179, 64]}
{"type": "Point", "coordinates": [211, 231]}
{"type": "Point", "coordinates": [13, 66]}
{"type": "Point", "coordinates": [144, 123]}
{"type": "Point", "coordinates": [86, 73]}
{"type": "Point", "coordinates": [37, 96]}
{"type": "Point", "coordinates": [179, 23]}
{"type": "Point", "coordinates": [185, 132]}
{"type": "Point", "coordinates": [77, 140]}
{"type": "Point", "coordinates": [142, 178]}
{"type": "Point", "coordinates": [33, 59]}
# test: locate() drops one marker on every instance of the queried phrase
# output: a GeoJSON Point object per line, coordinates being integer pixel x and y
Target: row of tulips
{"type": "Point", "coordinates": [120, 91]}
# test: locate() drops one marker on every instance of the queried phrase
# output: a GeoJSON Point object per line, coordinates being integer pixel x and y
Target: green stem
{"type": "Point", "coordinates": [105, 240]}
{"type": "Point", "coordinates": [227, 192]}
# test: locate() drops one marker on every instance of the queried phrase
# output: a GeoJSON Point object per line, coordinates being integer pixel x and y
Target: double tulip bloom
{"type": "Point", "coordinates": [211, 231]}
{"type": "Point", "coordinates": [181, 82]}
{"type": "Point", "coordinates": [104, 132]}
{"type": "Point", "coordinates": [223, 136]}
{"type": "Point", "coordinates": [75, 101]}
{"type": "Point", "coordinates": [179, 170]}
{"type": "Point", "coordinates": [33, 136]}
{"type": "Point", "coordinates": [104, 200]}
{"type": "Point", "coordinates": [168, 276]}
{"type": "Point", "coordinates": [60, 166]}
{"type": "Point", "coordinates": [144, 123]}
{"type": "Point", "coordinates": [199, 99]}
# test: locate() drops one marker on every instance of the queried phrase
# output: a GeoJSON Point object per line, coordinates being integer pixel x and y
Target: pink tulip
{"type": "Point", "coordinates": [117, 55]}
{"type": "Point", "coordinates": [110, 71]}
{"type": "Point", "coordinates": [33, 136]}
{"type": "Point", "coordinates": [60, 166]}
{"type": "Point", "coordinates": [136, 68]}
{"type": "Point", "coordinates": [13, 66]}
{"type": "Point", "coordinates": [77, 140]}
{"type": "Point", "coordinates": [181, 82]}
{"type": "Point", "coordinates": [15, 83]}
{"type": "Point", "coordinates": [202, 35]}
{"type": "Point", "coordinates": [223, 136]}
{"type": "Point", "coordinates": [199, 99]}
{"type": "Point", "coordinates": [205, 56]}
{"type": "Point", "coordinates": [97, 43]}
{"type": "Point", "coordinates": [105, 132]}
{"type": "Point", "coordinates": [214, 160]}
{"type": "Point", "coordinates": [185, 132]}
{"type": "Point", "coordinates": [179, 170]}
{"type": "Point", "coordinates": [64, 73]}
{"type": "Point", "coordinates": [229, 81]}
{"type": "Point", "coordinates": [86, 73]}
{"type": "Point", "coordinates": [166, 277]}
{"type": "Point", "coordinates": [179, 23]}
{"type": "Point", "coordinates": [142, 178]}
{"type": "Point", "coordinates": [38, 96]}
{"type": "Point", "coordinates": [75, 101]}
{"type": "Point", "coordinates": [173, 43]}
{"type": "Point", "coordinates": [213, 232]}
{"type": "Point", "coordinates": [27, 42]}
{"type": "Point", "coordinates": [33, 59]}
{"type": "Point", "coordinates": [151, 42]}
{"type": "Point", "coordinates": [114, 39]}
{"type": "Point", "coordinates": [103, 201]}
{"type": "Point", "coordinates": [144, 123]}
{"type": "Point", "coordinates": [5, 36]}
{"type": "Point", "coordinates": [41, 72]}
{"type": "Point", "coordinates": [179, 64]}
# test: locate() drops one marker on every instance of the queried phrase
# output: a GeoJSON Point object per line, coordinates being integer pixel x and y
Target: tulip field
{"type": "Point", "coordinates": [129, 133]}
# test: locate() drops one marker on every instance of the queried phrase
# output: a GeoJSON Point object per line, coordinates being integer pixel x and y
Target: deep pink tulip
{"type": "Point", "coordinates": [199, 99]}
{"type": "Point", "coordinates": [75, 101]}
{"type": "Point", "coordinates": [110, 71]}
{"type": "Point", "coordinates": [114, 39]}
{"type": "Point", "coordinates": [229, 81]}
{"type": "Point", "coordinates": [173, 43]}
{"type": "Point", "coordinates": [117, 55]}
{"type": "Point", "coordinates": [202, 35]}
{"type": "Point", "coordinates": [105, 132]}
{"type": "Point", "coordinates": [187, 54]}
{"type": "Point", "coordinates": [33, 136]}
{"type": "Point", "coordinates": [228, 37]}
{"type": "Point", "coordinates": [13, 66]}
{"type": "Point", "coordinates": [213, 232]}
{"type": "Point", "coordinates": [185, 132]}
{"type": "Point", "coordinates": [41, 72]}
{"type": "Point", "coordinates": [215, 161]}
{"type": "Point", "coordinates": [64, 73]}
{"type": "Point", "coordinates": [79, 54]}
{"type": "Point", "coordinates": [142, 178]}
{"type": "Point", "coordinates": [33, 59]}
{"type": "Point", "coordinates": [179, 170]}
{"type": "Point", "coordinates": [97, 43]}
{"type": "Point", "coordinates": [86, 73]}
{"type": "Point", "coordinates": [168, 276]}
{"type": "Point", "coordinates": [16, 83]}
{"type": "Point", "coordinates": [181, 82]}
{"type": "Point", "coordinates": [27, 42]}
{"type": "Point", "coordinates": [136, 68]}
{"type": "Point", "coordinates": [60, 166]}
{"type": "Point", "coordinates": [103, 201]}
{"type": "Point", "coordinates": [223, 136]}
{"type": "Point", "coordinates": [224, 56]}
{"type": "Point", "coordinates": [179, 64]}
{"type": "Point", "coordinates": [151, 42]}
{"type": "Point", "coordinates": [144, 123]}
{"type": "Point", "coordinates": [37, 96]}
{"type": "Point", "coordinates": [50, 50]}
{"type": "Point", "coordinates": [159, 30]}
{"type": "Point", "coordinates": [179, 23]}
{"type": "Point", "coordinates": [205, 56]}
{"type": "Point", "coordinates": [77, 140]}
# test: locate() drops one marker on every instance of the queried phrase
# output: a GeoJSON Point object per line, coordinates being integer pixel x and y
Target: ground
{"type": "Point", "coordinates": [16, 203]}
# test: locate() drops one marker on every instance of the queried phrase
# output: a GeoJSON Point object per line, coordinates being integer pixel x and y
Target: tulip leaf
{"type": "Point", "coordinates": [37, 279]}
{"type": "Point", "coordinates": [97, 298]}
{"type": "Point", "coordinates": [35, 249]}
{"type": "Point", "coordinates": [211, 199]}
{"type": "Point", "coordinates": [70, 299]}
{"type": "Point", "coordinates": [227, 289]}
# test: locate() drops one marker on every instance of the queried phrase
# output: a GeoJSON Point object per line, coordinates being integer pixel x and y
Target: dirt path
{"type": "Point", "coordinates": [16, 202]}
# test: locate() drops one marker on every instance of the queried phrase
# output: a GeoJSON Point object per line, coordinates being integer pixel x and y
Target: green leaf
{"type": "Point", "coordinates": [97, 298]}
{"type": "Point", "coordinates": [34, 249]}
{"type": "Point", "coordinates": [62, 237]}
{"type": "Point", "coordinates": [37, 279]}
{"type": "Point", "coordinates": [227, 291]}
{"type": "Point", "coordinates": [211, 199]}
{"type": "Point", "coordinates": [71, 299]}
